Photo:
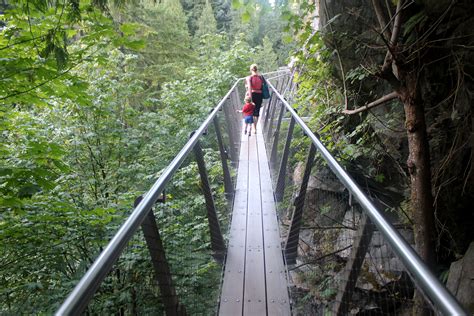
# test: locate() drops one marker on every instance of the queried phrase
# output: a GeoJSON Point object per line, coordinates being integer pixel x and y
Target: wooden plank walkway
{"type": "Point", "coordinates": [254, 278]}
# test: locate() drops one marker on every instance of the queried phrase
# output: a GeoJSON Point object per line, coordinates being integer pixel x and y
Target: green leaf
{"type": "Point", "coordinates": [130, 28]}
{"type": "Point", "coordinates": [246, 16]}
{"type": "Point", "coordinates": [287, 39]}
{"type": "Point", "coordinates": [380, 178]}
{"type": "Point", "coordinates": [286, 15]}
{"type": "Point", "coordinates": [135, 44]}
{"type": "Point", "coordinates": [236, 4]}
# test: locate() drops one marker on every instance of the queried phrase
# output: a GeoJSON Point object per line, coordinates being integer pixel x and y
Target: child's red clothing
{"type": "Point", "coordinates": [247, 110]}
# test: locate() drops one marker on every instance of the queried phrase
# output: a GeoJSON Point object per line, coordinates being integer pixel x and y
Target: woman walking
{"type": "Point", "coordinates": [254, 84]}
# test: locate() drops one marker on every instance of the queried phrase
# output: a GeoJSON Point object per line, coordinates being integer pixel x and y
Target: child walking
{"type": "Point", "coordinates": [247, 113]}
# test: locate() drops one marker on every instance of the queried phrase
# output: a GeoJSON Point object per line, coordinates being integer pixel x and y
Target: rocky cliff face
{"type": "Point", "coordinates": [332, 225]}
{"type": "Point", "coordinates": [435, 44]}
{"type": "Point", "coordinates": [461, 279]}
{"type": "Point", "coordinates": [441, 31]}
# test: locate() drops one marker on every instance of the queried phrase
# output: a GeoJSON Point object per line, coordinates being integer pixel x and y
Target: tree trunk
{"type": "Point", "coordinates": [419, 166]}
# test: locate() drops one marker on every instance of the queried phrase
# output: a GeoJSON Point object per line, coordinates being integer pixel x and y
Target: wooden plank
{"type": "Point", "coordinates": [275, 273]}
{"type": "Point", "coordinates": [254, 285]}
{"type": "Point", "coordinates": [231, 301]}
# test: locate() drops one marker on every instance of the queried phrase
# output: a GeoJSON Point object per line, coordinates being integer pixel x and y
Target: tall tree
{"type": "Point", "coordinates": [168, 50]}
{"type": "Point", "coordinates": [266, 57]}
{"type": "Point", "coordinates": [222, 12]}
{"type": "Point", "coordinates": [206, 23]}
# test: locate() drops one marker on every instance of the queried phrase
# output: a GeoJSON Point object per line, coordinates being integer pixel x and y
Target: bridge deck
{"type": "Point", "coordinates": [254, 278]}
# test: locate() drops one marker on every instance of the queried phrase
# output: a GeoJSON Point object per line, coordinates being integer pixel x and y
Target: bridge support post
{"type": "Point", "coordinates": [228, 188]}
{"type": "Point", "coordinates": [270, 120]}
{"type": "Point", "coordinates": [160, 264]}
{"type": "Point", "coordinates": [217, 241]}
{"type": "Point", "coordinates": [237, 103]}
{"type": "Point", "coordinates": [276, 138]}
{"type": "Point", "coordinates": [353, 266]}
{"type": "Point", "coordinates": [274, 101]}
{"type": "Point", "coordinates": [280, 187]}
{"type": "Point", "coordinates": [292, 240]}
{"type": "Point", "coordinates": [237, 119]}
{"type": "Point", "coordinates": [284, 87]}
{"type": "Point", "coordinates": [291, 86]}
{"type": "Point", "coordinates": [230, 123]}
{"type": "Point", "coordinates": [266, 111]}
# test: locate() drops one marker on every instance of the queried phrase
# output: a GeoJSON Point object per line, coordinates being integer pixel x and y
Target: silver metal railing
{"type": "Point", "coordinates": [441, 299]}
{"type": "Point", "coordinates": [81, 295]}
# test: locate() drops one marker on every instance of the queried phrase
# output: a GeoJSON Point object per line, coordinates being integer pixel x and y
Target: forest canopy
{"type": "Point", "coordinates": [90, 93]}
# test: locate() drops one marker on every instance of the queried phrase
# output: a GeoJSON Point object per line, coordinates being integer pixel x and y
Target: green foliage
{"type": "Point", "coordinates": [36, 53]}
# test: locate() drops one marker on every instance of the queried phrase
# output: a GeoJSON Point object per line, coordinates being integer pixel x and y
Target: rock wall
{"type": "Point", "coordinates": [437, 36]}
{"type": "Point", "coordinates": [331, 221]}
{"type": "Point", "coordinates": [461, 279]}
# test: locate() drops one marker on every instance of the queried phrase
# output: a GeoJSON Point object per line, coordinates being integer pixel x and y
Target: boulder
{"type": "Point", "coordinates": [461, 279]}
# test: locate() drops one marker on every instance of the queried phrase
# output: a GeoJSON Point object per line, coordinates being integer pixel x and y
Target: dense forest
{"type": "Point", "coordinates": [97, 97]}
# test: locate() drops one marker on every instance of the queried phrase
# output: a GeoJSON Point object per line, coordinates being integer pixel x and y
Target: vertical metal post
{"type": "Point", "coordinates": [277, 101]}
{"type": "Point", "coordinates": [287, 86]}
{"type": "Point", "coordinates": [266, 110]}
{"type": "Point", "coordinates": [160, 264]}
{"type": "Point", "coordinates": [280, 187]}
{"type": "Point", "coordinates": [291, 86]}
{"type": "Point", "coordinates": [276, 138]}
{"type": "Point", "coordinates": [217, 241]}
{"type": "Point", "coordinates": [270, 123]}
{"type": "Point", "coordinates": [283, 87]}
{"type": "Point", "coordinates": [237, 100]}
{"type": "Point", "coordinates": [274, 99]}
{"type": "Point", "coordinates": [230, 132]}
{"type": "Point", "coordinates": [237, 105]}
{"type": "Point", "coordinates": [271, 107]}
{"type": "Point", "coordinates": [228, 188]}
{"type": "Point", "coordinates": [353, 266]}
{"type": "Point", "coordinates": [280, 84]}
{"type": "Point", "coordinates": [292, 240]}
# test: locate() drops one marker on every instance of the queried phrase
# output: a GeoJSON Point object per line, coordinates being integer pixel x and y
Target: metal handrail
{"type": "Point", "coordinates": [423, 277]}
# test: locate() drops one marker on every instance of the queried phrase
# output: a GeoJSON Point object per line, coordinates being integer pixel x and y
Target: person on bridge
{"type": "Point", "coordinates": [247, 113]}
{"type": "Point", "coordinates": [254, 84]}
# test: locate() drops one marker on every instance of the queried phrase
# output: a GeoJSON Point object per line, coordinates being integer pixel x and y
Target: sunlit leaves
{"type": "Point", "coordinates": [246, 16]}
{"type": "Point", "coordinates": [130, 28]}
{"type": "Point", "coordinates": [236, 4]}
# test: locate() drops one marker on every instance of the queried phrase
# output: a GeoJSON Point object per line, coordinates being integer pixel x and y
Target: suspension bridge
{"type": "Point", "coordinates": [256, 256]}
